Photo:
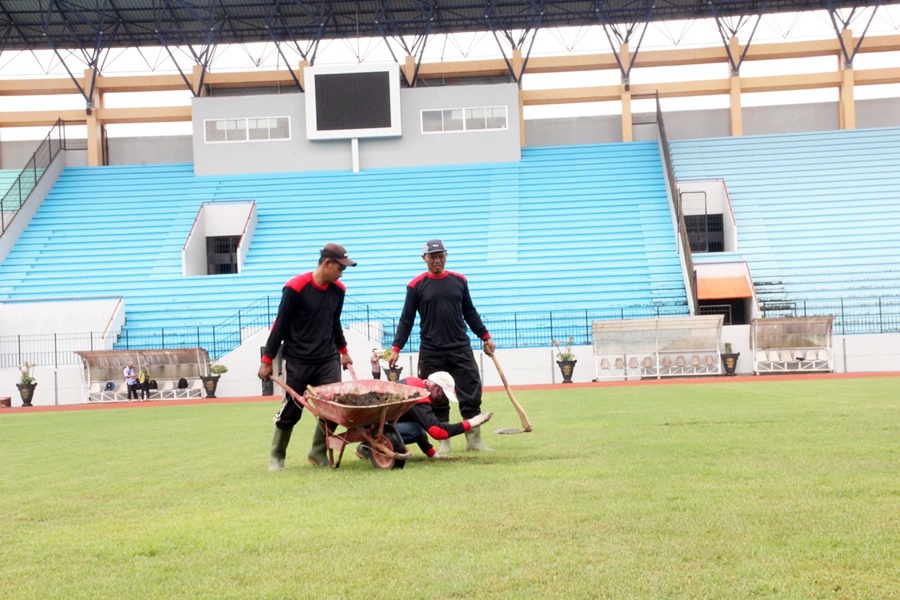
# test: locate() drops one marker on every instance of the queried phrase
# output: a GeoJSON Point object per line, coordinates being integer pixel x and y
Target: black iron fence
{"type": "Point", "coordinates": [533, 329]}
{"type": "Point", "coordinates": [18, 193]}
{"type": "Point", "coordinates": [51, 349]}
{"type": "Point", "coordinates": [851, 315]}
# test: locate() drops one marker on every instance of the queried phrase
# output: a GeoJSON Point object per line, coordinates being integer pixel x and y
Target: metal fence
{"type": "Point", "coordinates": [17, 194]}
{"type": "Point", "coordinates": [851, 315]}
{"type": "Point", "coordinates": [533, 329]}
{"type": "Point", "coordinates": [51, 349]}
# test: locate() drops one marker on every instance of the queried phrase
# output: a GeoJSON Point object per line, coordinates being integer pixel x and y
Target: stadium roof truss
{"type": "Point", "coordinates": [88, 29]}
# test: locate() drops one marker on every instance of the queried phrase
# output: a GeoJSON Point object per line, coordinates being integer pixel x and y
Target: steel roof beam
{"type": "Point", "coordinates": [610, 20]}
{"type": "Point", "coordinates": [732, 31]}
{"type": "Point", "coordinates": [849, 54]}
{"type": "Point", "coordinates": [75, 21]}
{"type": "Point", "coordinates": [391, 26]}
{"type": "Point", "coordinates": [529, 17]}
{"type": "Point", "coordinates": [168, 8]}
{"type": "Point", "coordinates": [281, 31]}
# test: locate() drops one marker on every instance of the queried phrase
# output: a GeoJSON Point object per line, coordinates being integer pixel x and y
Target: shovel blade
{"type": "Point", "coordinates": [509, 431]}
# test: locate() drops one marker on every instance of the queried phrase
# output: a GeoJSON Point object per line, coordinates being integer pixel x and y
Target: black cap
{"type": "Point", "coordinates": [336, 253]}
{"type": "Point", "coordinates": [433, 247]}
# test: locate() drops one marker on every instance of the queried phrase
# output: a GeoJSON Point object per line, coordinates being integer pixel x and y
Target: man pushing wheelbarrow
{"type": "Point", "coordinates": [308, 331]}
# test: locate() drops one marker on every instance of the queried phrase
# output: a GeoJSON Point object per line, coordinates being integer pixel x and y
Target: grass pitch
{"type": "Point", "coordinates": [769, 489]}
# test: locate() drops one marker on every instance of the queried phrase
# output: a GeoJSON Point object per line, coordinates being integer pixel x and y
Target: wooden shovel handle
{"type": "Point", "coordinates": [526, 424]}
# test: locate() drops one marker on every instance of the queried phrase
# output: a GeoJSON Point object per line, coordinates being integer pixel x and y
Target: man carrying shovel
{"type": "Point", "coordinates": [442, 300]}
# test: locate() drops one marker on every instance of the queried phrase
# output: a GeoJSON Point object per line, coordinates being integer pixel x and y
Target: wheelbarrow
{"type": "Point", "coordinates": [371, 423]}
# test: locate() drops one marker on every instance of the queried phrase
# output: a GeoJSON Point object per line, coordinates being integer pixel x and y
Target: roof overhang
{"type": "Point", "coordinates": [38, 24]}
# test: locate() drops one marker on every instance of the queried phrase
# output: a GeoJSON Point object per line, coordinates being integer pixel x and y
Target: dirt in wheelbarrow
{"type": "Point", "coordinates": [367, 399]}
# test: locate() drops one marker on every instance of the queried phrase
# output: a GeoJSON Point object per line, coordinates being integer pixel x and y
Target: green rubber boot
{"type": "Point", "coordinates": [280, 440]}
{"type": "Point", "coordinates": [474, 441]}
{"type": "Point", "coordinates": [318, 454]}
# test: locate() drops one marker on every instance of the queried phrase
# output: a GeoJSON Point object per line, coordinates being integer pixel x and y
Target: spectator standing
{"type": "Point", "coordinates": [442, 300]}
{"type": "Point", "coordinates": [131, 381]}
{"type": "Point", "coordinates": [375, 359]}
{"type": "Point", "coordinates": [308, 331]}
{"type": "Point", "coordinates": [144, 382]}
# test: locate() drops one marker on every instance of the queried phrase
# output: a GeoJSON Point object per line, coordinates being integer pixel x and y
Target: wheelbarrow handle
{"type": "Point", "coordinates": [298, 397]}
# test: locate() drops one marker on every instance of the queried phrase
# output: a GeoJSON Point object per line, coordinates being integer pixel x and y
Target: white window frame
{"type": "Point", "coordinates": [246, 121]}
{"type": "Point", "coordinates": [465, 111]}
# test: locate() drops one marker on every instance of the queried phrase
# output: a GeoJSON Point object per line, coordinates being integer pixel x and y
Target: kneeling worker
{"type": "Point", "coordinates": [428, 417]}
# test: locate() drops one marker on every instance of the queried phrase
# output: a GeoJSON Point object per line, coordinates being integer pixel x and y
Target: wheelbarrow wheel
{"type": "Point", "coordinates": [391, 440]}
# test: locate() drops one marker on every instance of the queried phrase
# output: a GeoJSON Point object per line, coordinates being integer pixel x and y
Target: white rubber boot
{"type": "Point", "coordinates": [444, 449]}
{"type": "Point", "coordinates": [474, 441]}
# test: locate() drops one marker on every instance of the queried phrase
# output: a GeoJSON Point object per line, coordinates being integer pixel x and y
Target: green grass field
{"type": "Point", "coordinates": [769, 489]}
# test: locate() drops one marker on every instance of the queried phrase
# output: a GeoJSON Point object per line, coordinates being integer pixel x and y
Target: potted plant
{"type": "Point", "coordinates": [729, 359]}
{"type": "Point", "coordinates": [210, 381]}
{"type": "Point", "coordinates": [392, 373]}
{"type": "Point", "coordinates": [565, 359]}
{"type": "Point", "coordinates": [27, 383]}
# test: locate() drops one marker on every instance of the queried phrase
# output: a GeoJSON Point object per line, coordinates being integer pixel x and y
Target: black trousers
{"type": "Point", "coordinates": [300, 375]}
{"type": "Point", "coordinates": [460, 363]}
{"type": "Point", "coordinates": [132, 389]}
{"type": "Point", "coordinates": [145, 390]}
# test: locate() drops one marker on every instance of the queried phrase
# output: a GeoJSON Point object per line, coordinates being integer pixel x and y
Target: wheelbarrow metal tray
{"type": "Point", "coordinates": [324, 406]}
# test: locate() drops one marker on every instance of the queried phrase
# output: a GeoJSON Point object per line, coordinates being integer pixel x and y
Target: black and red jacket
{"type": "Point", "coordinates": [308, 322]}
{"type": "Point", "coordinates": [423, 413]}
{"type": "Point", "coordinates": [445, 307]}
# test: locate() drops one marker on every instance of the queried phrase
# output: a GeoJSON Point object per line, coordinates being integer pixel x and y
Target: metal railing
{"type": "Point", "coordinates": [679, 212]}
{"type": "Point", "coordinates": [532, 329]}
{"type": "Point", "coordinates": [14, 198]}
{"type": "Point", "coordinates": [851, 315]}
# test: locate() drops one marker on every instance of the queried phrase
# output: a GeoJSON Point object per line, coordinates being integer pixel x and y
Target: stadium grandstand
{"type": "Point", "coordinates": [585, 163]}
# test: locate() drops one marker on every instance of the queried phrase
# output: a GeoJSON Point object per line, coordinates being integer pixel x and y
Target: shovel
{"type": "Point", "coordinates": [526, 424]}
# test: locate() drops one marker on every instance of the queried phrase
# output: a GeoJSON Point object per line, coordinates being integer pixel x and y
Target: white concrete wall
{"type": "Point", "coordinates": [70, 315]}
